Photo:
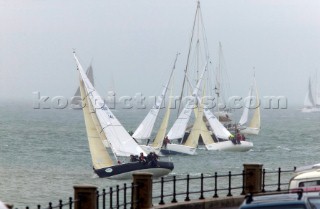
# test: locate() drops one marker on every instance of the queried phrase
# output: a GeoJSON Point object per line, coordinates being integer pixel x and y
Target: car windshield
{"type": "Point", "coordinates": [315, 202]}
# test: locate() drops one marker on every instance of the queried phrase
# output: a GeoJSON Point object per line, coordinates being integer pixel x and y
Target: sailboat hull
{"type": "Point", "coordinates": [308, 110]}
{"type": "Point", "coordinates": [250, 131]}
{"type": "Point", "coordinates": [229, 146]}
{"type": "Point", "coordinates": [173, 149]}
{"type": "Point", "coordinates": [125, 171]}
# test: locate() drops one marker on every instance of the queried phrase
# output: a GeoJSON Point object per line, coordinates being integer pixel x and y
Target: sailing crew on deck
{"type": "Point", "coordinates": [166, 141]}
{"type": "Point", "coordinates": [238, 138]}
{"type": "Point", "coordinates": [142, 158]}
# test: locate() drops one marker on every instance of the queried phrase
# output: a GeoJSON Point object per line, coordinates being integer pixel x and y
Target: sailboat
{"type": "Point", "coordinates": [101, 124]}
{"type": "Point", "coordinates": [145, 128]}
{"type": "Point", "coordinates": [312, 99]}
{"type": "Point", "coordinates": [223, 114]}
{"type": "Point", "coordinates": [223, 137]}
{"type": "Point", "coordinates": [178, 130]}
{"type": "Point", "coordinates": [253, 128]}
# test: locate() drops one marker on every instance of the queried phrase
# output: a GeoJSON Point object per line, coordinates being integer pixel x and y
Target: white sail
{"type": "Point", "coordinates": [178, 129]}
{"type": "Point", "coordinates": [158, 141]}
{"type": "Point", "coordinates": [309, 99]}
{"type": "Point", "coordinates": [145, 128]}
{"type": "Point", "coordinates": [121, 143]}
{"type": "Point", "coordinates": [219, 130]}
{"type": "Point", "coordinates": [255, 122]}
{"type": "Point", "coordinates": [244, 117]}
{"type": "Point", "coordinates": [99, 155]}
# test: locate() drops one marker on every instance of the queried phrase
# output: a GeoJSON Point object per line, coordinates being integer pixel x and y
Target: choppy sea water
{"type": "Point", "coordinates": [44, 152]}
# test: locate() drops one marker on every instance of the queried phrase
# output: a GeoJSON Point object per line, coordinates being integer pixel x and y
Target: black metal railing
{"type": "Point", "coordinates": [196, 187]}
{"type": "Point", "coordinates": [118, 197]}
{"type": "Point", "coordinates": [183, 188]}
{"type": "Point", "coordinates": [169, 189]}
{"type": "Point", "coordinates": [268, 181]}
{"type": "Point", "coordinates": [61, 205]}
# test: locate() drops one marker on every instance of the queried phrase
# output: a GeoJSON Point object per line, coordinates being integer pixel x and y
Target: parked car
{"type": "Point", "coordinates": [299, 200]}
{"type": "Point", "coordinates": [308, 180]}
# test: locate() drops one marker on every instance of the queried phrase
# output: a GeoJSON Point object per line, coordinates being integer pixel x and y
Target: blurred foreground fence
{"type": "Point", "coordinates": [144, 192]}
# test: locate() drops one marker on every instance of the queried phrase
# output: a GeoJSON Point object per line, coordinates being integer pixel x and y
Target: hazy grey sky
{"type": "Point", "coordinates": [133, 43]}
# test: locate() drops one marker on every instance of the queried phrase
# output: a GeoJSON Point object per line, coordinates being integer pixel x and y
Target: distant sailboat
{"type": "Point", "coordinates": [76, 102]}
{"type": "Point", "coordinates": [223, 114]}
{"type": "Point", "coordinates": [145, 128]}
{"type": "Point", "coordinates": [255, 124]}
{"type": "Point", "coordinates": [179, 127]}
{"type": "Point", "coordinates": [312, 99]}
{"type": "Point", "coordinates": [101, 124]}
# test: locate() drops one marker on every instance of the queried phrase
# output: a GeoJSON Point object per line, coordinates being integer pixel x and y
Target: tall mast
{"type": "Point", "coordinates": [188, 58]}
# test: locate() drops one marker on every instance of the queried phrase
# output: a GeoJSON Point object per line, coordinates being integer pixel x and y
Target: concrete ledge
{"type": "Point", "coordinates": [208, 203]}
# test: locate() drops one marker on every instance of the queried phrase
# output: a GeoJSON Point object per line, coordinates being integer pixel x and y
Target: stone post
{"type": "Point", "coordinates": [253, 178]}
{"type": "Point", "coordinates": [142, 193]}
{"type": "Point", "coordinates": [85, 197]}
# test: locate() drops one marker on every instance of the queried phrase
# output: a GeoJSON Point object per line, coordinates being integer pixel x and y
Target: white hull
{"type": "Point", "coordinates": [156, 172]}
{"type": "Point", "coordinates": [250, 131]}
{"type": "Point", "coordinates": [308, 110]}
{"type": "Point", "coordinates": [229, 146]}
{"type": "Point", "coordinates": [179, 149]}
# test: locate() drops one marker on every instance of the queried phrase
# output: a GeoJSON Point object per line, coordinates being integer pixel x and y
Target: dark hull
{"type": "Point", "coordinates": [124, 171]}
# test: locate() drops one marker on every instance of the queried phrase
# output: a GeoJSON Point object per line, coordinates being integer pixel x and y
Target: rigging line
{"type": "Point", "coordinates": [188, 57]}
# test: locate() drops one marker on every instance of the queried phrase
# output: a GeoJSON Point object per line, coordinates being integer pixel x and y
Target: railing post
{"type": "Point", "coordinates": [125, 196]}
{"type": "Point", "coordinates": [174, 200]}
{"type": "Point", "coordinates": [161, 195]}
{"type": "Point", "coordinates": [187, 197]}
{"type": "Point", "coordinates": [215, 185]}
{"type": "Point", "coordinates": [263, 180]}
{"type": "Point", "coordinates": [142, 195]}
{"type": "Point", "coordinates": [70, 203]}
{"type": "Point", "coordinates": [279, 180]}
{"type": "Point", "coordinates": [201, 188]}
{"type": "Point", "coordinates": [118, 193]}
{"type": "Point", "coordinates": [229, 187]}
{"type": "Point", "coordinates": [97, 198]}
{"type": "Point", "coordinates": [85, 197]}
{"type": "Point", "coordinates": [253, 178]}
{"type": "Point", "coordinates": [110, 197]}
{"type": "Point", "coordinates": [243, 182]}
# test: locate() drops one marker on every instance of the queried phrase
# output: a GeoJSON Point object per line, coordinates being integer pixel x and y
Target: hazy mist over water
{"type": "Point", "coordinates": [132, 44]}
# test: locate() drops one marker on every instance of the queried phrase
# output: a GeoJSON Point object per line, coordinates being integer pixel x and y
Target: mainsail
{"type": "Point", "coordinates": [99, 155]}
{"type": "Point", "coordinates": [121, 143]}
{"type": "Point", "coordinates": [309, 100]}
{"type": "Point", "coordinates": [157, 143]}
{"type": "Point", "coordinates": [193, 138]}
{"type": "Point", "coordinates": [219, 130]}
{"type": "Point", "coordinates": [255, 122]}
{"type": "Point", "coordinates": [145, 128]}
{"type": "Point", "coordinates": [244, 117]}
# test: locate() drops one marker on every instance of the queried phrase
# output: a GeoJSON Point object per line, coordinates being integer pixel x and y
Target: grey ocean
{"type": "Point", "coordinates": [44, 152]}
